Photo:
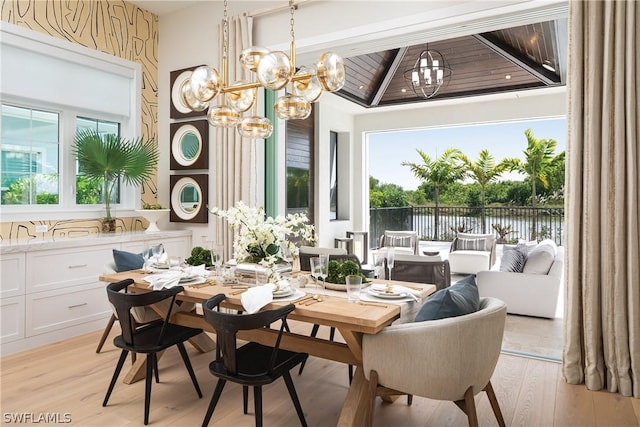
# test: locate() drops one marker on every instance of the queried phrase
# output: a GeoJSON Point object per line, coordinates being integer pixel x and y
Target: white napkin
{"type": "Point", "coordinates": [166, 280]}
{"type": "Point", "coordinates": [397, 288]}
{"type": "Point", "coordinates": [253, 299]}
{"type": "Point", "coordinates": [195, 270]}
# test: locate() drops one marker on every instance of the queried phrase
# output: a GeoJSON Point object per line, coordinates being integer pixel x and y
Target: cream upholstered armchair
{"type": "Point", "coordinates": [447, 359]}
{"type": "Point", "coordinates": [471, 253]}
{"type": "Point", "coordinates": [403, 241]}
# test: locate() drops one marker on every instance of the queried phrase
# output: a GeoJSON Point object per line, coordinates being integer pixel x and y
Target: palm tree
{"type": "Point", "coordinates": [484, 171]}
{"type": "Point", "coordinates": [108, 158]}
{"type": "Point", "coordinates": [438, 172]}
{"type": "Point", "coordinates": [539, 160]}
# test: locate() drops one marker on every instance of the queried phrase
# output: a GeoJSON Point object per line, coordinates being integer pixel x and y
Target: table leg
{"type": "Point", "coordinates": [355, 403]}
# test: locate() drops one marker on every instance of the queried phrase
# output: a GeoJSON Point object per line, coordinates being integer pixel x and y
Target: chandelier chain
{"type": "Point", "coordinates": [225, 31]}
{"type": "Point", "coordinates": [292, 8]}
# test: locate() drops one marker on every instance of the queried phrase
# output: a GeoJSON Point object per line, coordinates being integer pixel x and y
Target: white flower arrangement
{"type": "Point", "coordinates": [264, 240]}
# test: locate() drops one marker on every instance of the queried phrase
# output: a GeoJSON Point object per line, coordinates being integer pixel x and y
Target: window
{"type": "Point", "coordinates": [333, 175]}
{"type": "Point", "coordinates": [41, 114]}
{"type": "Point", "coordinates": [299, 163]}
{"type": "Point", "coordinates": [30, 153]}
{"type": "Point", "coordinates": [37, 164]}
{"type": "Point", "coordinates": [87, 193]}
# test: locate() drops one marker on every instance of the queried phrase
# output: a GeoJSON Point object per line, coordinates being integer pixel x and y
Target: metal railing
{"type": "Point", "coordinates": [521, 221]}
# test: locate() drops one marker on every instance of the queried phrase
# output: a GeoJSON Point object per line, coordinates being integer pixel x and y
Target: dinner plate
{"type": "Point", "coordinates": [386, 295]}
{"type": "Point", "coordinates": [188, 279]}
{"type": "Point", "coordinates": [160, 266]}
{"type": "Point", "coordinates": [284, 292]}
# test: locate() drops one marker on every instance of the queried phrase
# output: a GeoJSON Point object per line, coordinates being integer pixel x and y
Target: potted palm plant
{"type": "Point", "coordinates": [105, 159]}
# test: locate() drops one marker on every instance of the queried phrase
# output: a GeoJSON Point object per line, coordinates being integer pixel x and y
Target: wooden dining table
{"type": "Point", "coordinates": [351, 320]}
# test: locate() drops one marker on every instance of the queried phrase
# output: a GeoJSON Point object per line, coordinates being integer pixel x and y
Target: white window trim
{"type": "Point", "coordinates": [129, 118]}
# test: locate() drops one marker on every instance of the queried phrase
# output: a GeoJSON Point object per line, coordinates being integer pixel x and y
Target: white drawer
{"type": "Point", "coordinates": [52, 310]}
{"type": "Point", "coordinates": [11, 319]}
{"type": "Point", "coordinates": [12, 269]}
{"type": "Point", "coordinates": [54, 269]}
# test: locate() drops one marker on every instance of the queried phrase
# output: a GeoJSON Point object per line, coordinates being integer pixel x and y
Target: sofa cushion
{"type": "Point", "coordinates": [472, 244]}
{"type": "Point", "coordinates": [513, 259]}
{"type": "Point", "coordinates": [126, 261]}
{"type": "Point", "coordinates": [540, 259]}
{"type": "Point", "coordinates": [456, 300]}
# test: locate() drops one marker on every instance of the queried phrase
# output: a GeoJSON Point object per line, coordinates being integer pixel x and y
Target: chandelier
{"type": "Point", "coordinates": [273, 70]}
{"type": "Point", "coordinates": [429, 73]}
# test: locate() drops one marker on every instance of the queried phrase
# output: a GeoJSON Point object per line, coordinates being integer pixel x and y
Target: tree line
{"type": "Point", "coordinates": [445, 179]}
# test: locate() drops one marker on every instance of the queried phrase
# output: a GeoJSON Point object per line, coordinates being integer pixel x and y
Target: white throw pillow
{"type": "Point", "coordinates": [540, 259]}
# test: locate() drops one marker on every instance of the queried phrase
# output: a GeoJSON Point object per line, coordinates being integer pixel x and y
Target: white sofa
{"type": "Point", "coordinates": [467, 258]}
{"type": "Point", "coordinates": [525, 293]}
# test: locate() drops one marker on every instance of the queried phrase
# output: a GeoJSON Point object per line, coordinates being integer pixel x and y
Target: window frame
{"type": "Point", "coordinates": [71, 98]}
{"type": "Point", "coordinates": [67, 208]}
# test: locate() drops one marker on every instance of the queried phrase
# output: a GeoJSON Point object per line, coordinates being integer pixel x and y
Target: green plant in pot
{"type": "Point", "coordinates": [105, 159]}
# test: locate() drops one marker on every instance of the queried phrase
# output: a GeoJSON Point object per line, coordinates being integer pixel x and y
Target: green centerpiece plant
{"type": "Point", "coordinates": [338, 271]}
{"type": "Point", "coordinates": [105, 159]}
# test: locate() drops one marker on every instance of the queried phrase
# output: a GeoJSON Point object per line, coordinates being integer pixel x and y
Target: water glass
{"type": "Point", "coordinates": [354, 285]}
{"type": "Point", "coordinates": [315, 268]}
{"type": "Point", "coordinates": [174, 262]}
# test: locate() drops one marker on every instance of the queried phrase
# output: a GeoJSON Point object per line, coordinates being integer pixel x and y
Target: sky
{"type": "Point", "coordinates": [389, 149]}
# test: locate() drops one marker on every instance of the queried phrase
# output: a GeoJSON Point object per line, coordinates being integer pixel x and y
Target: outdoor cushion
{"type": "Point", "coordinates": [513, 259]}
{"type": "Point", "coordinates": [540, 259]}
{"type": "Point", "coordinates": [472, 244]}
{"type": "Point", "coordinates": [456, 300]}
{"type": "Point", "coordinates": [488, 240]}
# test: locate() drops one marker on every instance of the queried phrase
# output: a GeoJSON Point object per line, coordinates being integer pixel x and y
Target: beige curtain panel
{"type": "Point", "coordinates": [602, 304]}
{"type": "Point", "coordinates": [235, 157]}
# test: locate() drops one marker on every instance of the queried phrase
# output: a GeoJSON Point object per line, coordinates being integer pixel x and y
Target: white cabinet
{"type": "Point", "coordinates": [50, 291]}
{"type": "Point", "coordinates": [12, 268]}
{"type": "Point", "coordinates": [12, 319]}
{"type": "Point", "coordinates": [60, 268]}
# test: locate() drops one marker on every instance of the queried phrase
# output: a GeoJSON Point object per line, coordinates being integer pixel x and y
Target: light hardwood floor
{"type": "Point", "coordinates": [69, 377]}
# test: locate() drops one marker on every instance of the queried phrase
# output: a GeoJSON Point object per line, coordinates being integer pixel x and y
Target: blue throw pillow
{"type": "Point", "coordinates": [126, 261]}
{"type": "Point", "coordinates": [456, 300]}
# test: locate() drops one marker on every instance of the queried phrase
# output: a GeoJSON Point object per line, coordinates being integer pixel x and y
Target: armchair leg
{"type": "Point", "coordinates": [468, 406]}
{"type": "Point", "coordinates": [494, 404]}
{"type": "Point", "coordinates": [105, 334]}
{"type": "Point", "coordinates": [187, 364]}
{"type": "Point", "coordinates": [373, 388]}
{"type": "Point", "coordinates": [116, 373]}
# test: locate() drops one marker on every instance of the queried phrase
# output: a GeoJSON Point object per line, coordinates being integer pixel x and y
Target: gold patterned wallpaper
{"type": "Point", "coordinates": [111, 26]}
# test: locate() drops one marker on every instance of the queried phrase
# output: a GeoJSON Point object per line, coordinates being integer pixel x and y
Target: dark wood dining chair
{"type": "Point", "coordinates": [149, 338]}
{"type": "Point", "coordinates": [252, 364]}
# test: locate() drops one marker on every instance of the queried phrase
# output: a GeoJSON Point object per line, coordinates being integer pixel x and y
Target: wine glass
{"type": "Point", "coordinates": [314, 266]}
{"type": "Point", "coordinates": [216, 258]}
{"type": "Point", "coordinates": [391, 252]}
{"type": "Point", "coordinates": [324, 267]}
{"type": "Point", "coordinates": [156, 252]}
{"type": "Point", "coordinates": [146, 254]}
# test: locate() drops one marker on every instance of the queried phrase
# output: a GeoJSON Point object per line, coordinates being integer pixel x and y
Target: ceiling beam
{"type": "Point", "coordinates": [391, 72]}
{"type": "Point", "coordinates": [537, 70]}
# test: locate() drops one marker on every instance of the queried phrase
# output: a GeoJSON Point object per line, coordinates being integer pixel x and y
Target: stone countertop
{"type": "Point", "coordinates": [39, 244]}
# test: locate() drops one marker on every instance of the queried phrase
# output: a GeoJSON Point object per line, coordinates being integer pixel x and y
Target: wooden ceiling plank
{"type": "Point", "coordinates": [539, 72]}
{"type": "Point", "coordinates": [388, 77]}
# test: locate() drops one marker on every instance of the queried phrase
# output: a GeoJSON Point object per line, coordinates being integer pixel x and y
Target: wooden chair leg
{"type": "Point", "coordinates": [494, 404]}
{"type": "Point", "coordinates": [214, 401]}
{"type": "Point", "coordinates": [105, 334]}
{"type": "Point", "coordinates": [314, 332]}
{"type": "Point", "coordinates": [294, 398]}
{"type": "Point", "coordinates": [373, 387]}
{"type": "Point", "coordinates": [257, 402]}
{"type": "Point", "coordinates": [409, 399]}
{"type": "Point", "coordinates": [470, 405]}
{"type": "Point", "coordinates": [245, 399]}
